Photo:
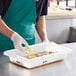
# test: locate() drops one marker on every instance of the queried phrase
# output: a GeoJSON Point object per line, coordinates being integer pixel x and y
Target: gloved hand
{"type": "Point", "coordinates": [46, 40]}
{"type": "Point", "coordinates": [18, 41]}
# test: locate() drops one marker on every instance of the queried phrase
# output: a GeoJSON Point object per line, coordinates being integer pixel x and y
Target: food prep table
{"type": "Point", "coordinates": [63, 68]}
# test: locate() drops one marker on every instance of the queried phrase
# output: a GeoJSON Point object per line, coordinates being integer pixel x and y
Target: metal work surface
{"type": "Point", "coordinates": [63, 68]}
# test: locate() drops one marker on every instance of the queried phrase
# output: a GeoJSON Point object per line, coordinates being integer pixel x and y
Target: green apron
{"type": "Point", "coordinates": [21, 17]}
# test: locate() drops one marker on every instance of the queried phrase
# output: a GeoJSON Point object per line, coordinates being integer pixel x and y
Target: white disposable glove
{"type": "Point", "coordinates": [18, 41]}
{"type": "Point", "coordinates": [46, 40]}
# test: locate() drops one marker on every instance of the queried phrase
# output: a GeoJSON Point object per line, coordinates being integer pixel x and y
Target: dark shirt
{"type": "Point", "coordinates": [41, 7]}
{"type": "Point", "coordinates": [4, 4]}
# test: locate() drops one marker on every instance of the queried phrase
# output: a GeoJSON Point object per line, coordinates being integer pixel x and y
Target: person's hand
{"type": "Point", "coordinates": [46, 40]}
{"type": "Point", "coordinates": [18, 41]}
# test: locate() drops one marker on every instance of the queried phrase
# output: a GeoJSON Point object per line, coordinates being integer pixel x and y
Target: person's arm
{"type": "Point", "coordinates": [41, 28]}
{"type": "Point", "coordinates": [4, 29]}
{"type": "Point", "coordinates": [14, 36]}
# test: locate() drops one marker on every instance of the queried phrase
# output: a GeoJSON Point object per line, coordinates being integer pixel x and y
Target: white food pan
{"type": "Point", "coordinates": [16, 56]}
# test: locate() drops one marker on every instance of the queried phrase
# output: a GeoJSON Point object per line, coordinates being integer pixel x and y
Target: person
{"type": "Point", "coordinates": [18, 20]}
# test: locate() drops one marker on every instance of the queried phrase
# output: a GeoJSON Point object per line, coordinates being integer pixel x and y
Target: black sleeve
{"type": "Point", "coordinates": [45, 8]}
{"type": "Point", "coordinates": [1, 7]}
{"type": "Point", "coordinates": [4, 4]}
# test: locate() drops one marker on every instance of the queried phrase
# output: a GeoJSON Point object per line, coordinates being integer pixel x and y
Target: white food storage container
{"type": "Point", "coordinates": [16, 56]}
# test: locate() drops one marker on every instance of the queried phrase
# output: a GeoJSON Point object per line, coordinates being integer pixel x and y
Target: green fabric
{"type": "Point", "coordinates": [21, 17]}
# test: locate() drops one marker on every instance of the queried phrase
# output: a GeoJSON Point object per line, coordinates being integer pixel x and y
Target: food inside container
{"type": "Point", "coordinates": [39, 54]}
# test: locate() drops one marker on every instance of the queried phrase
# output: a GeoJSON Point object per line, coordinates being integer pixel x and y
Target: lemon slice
{"type": "Point", "coordinates": [31, 56]}
{"type": "Point", "coordinates": [57, 6]}
{"type": "Point", "coordinates": [28, 50]}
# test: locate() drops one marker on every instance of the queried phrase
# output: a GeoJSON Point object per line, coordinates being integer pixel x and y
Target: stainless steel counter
{"type": "Point", "coordinates": [63, 68]}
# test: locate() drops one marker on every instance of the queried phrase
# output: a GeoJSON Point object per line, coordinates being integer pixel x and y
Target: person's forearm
{"type": "Point", "coordinates": [4, 29]}
{"type": "Point", "coordinates": [41, 28]}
